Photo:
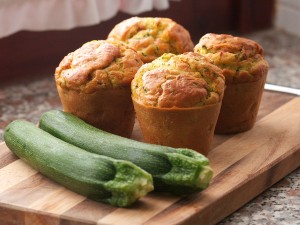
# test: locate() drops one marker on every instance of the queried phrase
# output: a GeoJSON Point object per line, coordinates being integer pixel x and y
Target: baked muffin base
{"type": "Point", "coordinates": [179, 128]}
{"type": "Point", "coordinates": [108, 110]}
{"type": "Point", "coordinates": [240, 107]}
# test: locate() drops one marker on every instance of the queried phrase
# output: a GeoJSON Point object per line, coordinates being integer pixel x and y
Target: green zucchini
{"type": "Point", "coordinates": [175, 170]}
{"type": "Point", "coordinates": [101, 178]}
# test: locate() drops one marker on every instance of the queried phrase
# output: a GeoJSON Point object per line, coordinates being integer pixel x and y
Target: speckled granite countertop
{"type": "Point", "coordinates": [279, 205]}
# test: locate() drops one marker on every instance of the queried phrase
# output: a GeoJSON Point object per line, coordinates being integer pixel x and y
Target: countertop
{"type": "Point", "coordinates": [279, 205]}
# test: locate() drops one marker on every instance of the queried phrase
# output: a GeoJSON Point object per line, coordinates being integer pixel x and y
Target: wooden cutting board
{"type": "Point", "coordinates": [244, 165]}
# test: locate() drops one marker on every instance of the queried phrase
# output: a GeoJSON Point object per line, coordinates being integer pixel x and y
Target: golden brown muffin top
{"type": "Point", "coordinates": [240, 59]}
{"type": "Point", "coordinates": [152, 37]}
{"type": "Point", "coordinates": [178, 81]}
{"type": "Point", "coordinates": [99, 64]}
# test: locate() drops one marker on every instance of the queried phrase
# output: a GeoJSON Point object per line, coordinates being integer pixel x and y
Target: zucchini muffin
{"type": "Point", "coordinates": [93, 83]}
{"type": "Point", "coordinates": [152, 37]}
{"type": "Point", "coordinates": [177, 100]}
{"type": "Point", "coordinates": [245, 71]}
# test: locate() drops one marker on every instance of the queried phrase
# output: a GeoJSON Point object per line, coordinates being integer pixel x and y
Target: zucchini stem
{"type": "Point", "coordinates": [176, 170]}
{"type": "Point", "coordinates": [101, 178]}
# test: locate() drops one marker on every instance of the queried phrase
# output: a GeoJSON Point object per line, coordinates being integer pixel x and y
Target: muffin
{"type": "Point", "coordinates": [152, 37]}
{"type": "Point", "coordinates": [177, 100]}
{"type": "Point", "coordinates": [93, 83]}
{"type": "Point", "coordinates": [245, 71]}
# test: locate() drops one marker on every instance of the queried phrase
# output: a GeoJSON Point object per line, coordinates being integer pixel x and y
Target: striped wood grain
{"type": "Point", "coordinates": [244, 165]}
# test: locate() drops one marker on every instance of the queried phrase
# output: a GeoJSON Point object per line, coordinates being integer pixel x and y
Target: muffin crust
{"type": "Point", "coordinates": [99, 64]}
{"type": "Point", "coordinates": [152, 37]}
{"type": "Point", "coordinates": [178, 81]}
{"type": "Point", "coordinates": [240, 59]}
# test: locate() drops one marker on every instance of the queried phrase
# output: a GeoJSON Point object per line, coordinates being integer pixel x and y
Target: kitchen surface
{"type": "Point", "coordinates": [279, 205]}
{"type": "Point", "coordinates": [26, 93]}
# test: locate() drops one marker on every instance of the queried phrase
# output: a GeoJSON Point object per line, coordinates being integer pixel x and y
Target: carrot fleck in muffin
{"type": "Point", "coordinates": [152, 37]}
{"type": "Point", "coordinates": [245, 71]}
{"type": "Point", "coordinates": [93, 83]}
{"type": "Point", "coordinates": [177, 100]}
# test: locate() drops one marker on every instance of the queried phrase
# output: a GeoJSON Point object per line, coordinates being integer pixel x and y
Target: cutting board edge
{"type": "Point", "coordinates": [265, 181]}
{"type": "Point", "coordinates": [23, 215]}
{"type": "Point", "coordinates": [263, 173]}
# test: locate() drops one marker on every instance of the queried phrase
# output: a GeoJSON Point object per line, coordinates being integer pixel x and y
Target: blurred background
{"type": "Point", "coordinates": [36, 35]}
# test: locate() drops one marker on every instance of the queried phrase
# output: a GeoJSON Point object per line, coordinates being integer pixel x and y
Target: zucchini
{"type": "Point", "coordinates": [175, 170]}
{"type": "Point", "coordinates": [117, 182]}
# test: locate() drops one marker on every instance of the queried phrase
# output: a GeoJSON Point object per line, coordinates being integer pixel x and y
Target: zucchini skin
{"type": "Point", "coordinates": [116, 182]}
{"type": "Point", "coordinates": [175, 170]}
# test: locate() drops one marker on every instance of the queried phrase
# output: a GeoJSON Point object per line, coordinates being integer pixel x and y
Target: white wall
{"type": "Point", "coordinates": [287, 16]}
